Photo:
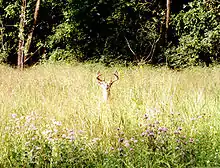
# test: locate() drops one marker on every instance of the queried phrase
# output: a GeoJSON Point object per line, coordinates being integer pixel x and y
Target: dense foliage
{"type": "Point", "coordinates": [114, 31]}
{"type": "Point", "coordinates": [198, 34]}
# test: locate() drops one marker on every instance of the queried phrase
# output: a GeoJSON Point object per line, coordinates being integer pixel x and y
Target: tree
{"type": "Point", "coordinates": [50, 13]}
{"type": "Point", "coordinates": [198, 32]}
{"type": "Point", "coordinates": [23, 48]}
{"type": "Point", "coordinates": [108, 31]}
{"type": "Point", "coordinates": [20, 62]}
{"type": "Point", "coordinates": [167, 18]}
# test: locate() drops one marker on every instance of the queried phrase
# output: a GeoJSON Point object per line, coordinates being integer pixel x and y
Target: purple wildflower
{"type": "Point", "coordinates": [151, 134]}
{"type": "Point", "coordinates": [126, 143]}
{"type": "Point", "coordinates": [162, 129]}
{"type": "Point", "coordinates": [14, 115]}
{"type": "Point", "coordinates": [120, 149]}
{"type": "Point", "coordinates": [112, 148]}
{"type": "Point", "coordinates": [176, 132]}
{"type": "Point", "coordinates": [143, 134]}
{"type": "Point", "coordinates": [121, 140]}
{"type": "Point", "coordinates": [71, 138]}
{"type": "Point", "coordinates": [191, 140]}
{"type": "Point", "coordinates": [64, 136]}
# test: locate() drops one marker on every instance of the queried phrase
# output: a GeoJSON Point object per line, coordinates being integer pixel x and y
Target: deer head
{"type": "Point", "coordinates": [106, 86]}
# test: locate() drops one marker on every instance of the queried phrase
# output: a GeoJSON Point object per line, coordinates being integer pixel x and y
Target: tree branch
{"type": "Point", "coordinates": [129, 46]}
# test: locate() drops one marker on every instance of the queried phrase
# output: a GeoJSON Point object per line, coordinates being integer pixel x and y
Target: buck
{"type": "Point", "coordinates": [106, 86]}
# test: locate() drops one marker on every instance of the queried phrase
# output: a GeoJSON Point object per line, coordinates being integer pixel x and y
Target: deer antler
{"type": "Point", "coordinates": [116, 77]}
{"type": "Point", "coordinates": [98, 77]}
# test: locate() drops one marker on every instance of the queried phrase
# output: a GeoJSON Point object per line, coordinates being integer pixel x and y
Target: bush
{"type": "Point", "coordinates": [3, 56]}
{"type": "Point", "coordinates": [62, 55]}
{"type": "Point", "coordinates": [198, 31]}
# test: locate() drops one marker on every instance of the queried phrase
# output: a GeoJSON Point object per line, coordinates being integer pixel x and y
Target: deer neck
{"type": "Point", "coordinates": [106, 94]}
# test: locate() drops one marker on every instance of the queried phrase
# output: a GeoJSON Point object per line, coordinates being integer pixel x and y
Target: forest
{"type": "Point", "coordinates": [178, 34]}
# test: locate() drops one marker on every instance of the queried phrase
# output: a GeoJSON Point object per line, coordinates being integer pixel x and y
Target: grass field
{"type": "Point", "coordinates": [54, 116]}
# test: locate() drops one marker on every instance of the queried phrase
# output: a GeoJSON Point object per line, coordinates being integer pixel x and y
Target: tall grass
{"type": "Point", "coordinates": [54, 116]}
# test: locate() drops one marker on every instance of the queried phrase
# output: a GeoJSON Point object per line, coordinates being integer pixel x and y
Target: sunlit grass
{"type": "Point", "coordinates": [168, 118]}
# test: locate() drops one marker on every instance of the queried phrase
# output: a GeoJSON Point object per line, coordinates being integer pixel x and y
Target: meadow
{"type": "Point", "coordinates": [54, 116]}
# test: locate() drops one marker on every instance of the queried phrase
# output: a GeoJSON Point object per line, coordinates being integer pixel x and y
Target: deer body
{"type": "Point", "coordinates": [106, 86]}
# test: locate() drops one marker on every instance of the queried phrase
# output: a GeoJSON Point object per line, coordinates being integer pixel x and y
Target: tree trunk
{"type": "Point", "coordinates": [30, 35]}
{"type": "Point", "coordinates": [167, 19]}
{"type": "Point", "coordinates": [23, 48]}
{"type": "Point", "coordinates": [2, 35]}
{"type": "Point", "coordinates": [20, 61]}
